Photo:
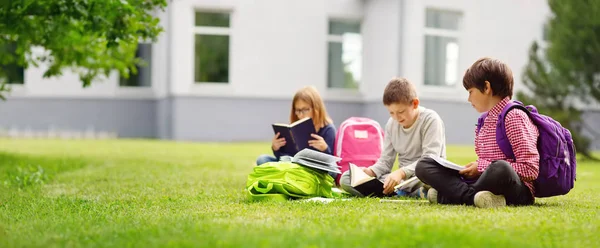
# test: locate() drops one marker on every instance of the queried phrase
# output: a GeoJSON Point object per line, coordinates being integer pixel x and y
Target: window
{"type": "Point", "coordinates": [441, 47]}
{"type": "Point", "coordinates": [11, 73]}
{"type": "Point", "coordinates": [211, 55]}
{"type": "Point", "coordinates": [345, 55]}
{"type": "Point", "coordinates": [543, 43]}
{"type": "Point", "coordinates": [545, 31]}
{"type": "Point", "coordinates": [143, 77]}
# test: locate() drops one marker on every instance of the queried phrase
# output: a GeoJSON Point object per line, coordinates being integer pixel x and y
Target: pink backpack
{"type": "Point", "coordinates": [359, 141]}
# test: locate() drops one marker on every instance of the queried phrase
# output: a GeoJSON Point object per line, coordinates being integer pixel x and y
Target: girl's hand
{"type": "Point", "coordinates": [277, 142]}
{"type": "Point", "coordinates": [318, 143]}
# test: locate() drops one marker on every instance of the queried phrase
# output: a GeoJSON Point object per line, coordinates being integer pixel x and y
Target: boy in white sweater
{"type": "Point", "coordinates": [411, 132]}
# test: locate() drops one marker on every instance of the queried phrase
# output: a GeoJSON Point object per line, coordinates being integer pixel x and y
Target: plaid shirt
{"type": "Point", "coordinates": [522, 134]}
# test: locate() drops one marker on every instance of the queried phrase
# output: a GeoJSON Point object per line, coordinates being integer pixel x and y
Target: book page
{"type": "Point", "coordinates": [446, 163]}
{"type": "Point", "coordinates": [405, 182]}
{"type": "Point", "coordinates": [358, 176]}
{"type": "Point", "coordinates": [318, 156]}
{"type": "Point", "coordinates": [324, 200]}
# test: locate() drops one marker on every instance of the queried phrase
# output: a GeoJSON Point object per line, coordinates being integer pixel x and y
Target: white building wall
{"type": "Point", "coordinates": [279, 46]}
{"type": "Point", "coordinates": [501, 29]}
{"type": "Point", "coordinates": [276, 46]}
{"type": "Point", "coordinates": [381, 46]}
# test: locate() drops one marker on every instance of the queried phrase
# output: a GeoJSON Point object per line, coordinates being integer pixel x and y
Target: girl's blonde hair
{"type": "Point", "coordinates": [310, 95]}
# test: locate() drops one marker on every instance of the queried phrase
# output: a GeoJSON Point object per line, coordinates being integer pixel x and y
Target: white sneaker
{"type": "Point", "coordinates": [486, 199]}
{"type": "Point", "coordinates": [432, 195]}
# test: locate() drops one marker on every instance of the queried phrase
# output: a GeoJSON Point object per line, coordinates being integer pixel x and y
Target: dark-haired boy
{"type": "Point", "coordinates": [498, 180]}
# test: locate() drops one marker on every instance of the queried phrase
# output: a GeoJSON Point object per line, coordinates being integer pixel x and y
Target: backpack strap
{"type": "Point", "coordinates": [501, 137]}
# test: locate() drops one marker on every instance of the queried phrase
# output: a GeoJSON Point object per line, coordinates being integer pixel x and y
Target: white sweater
{"type": "Point", "coordinates": [425, 136]}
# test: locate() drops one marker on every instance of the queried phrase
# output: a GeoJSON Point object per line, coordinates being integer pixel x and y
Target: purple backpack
{"type": "Point", "coordinates": [555, 145]}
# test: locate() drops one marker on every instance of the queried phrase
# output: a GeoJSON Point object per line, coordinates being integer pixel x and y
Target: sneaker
{"type": "Point", "coordinates": [486, 199]}
{"type": "Point", "coordinates": [426, 187]}
{"type": "Point", "coordinates": [432, 195]}
{"type": "Point", "coordinates": [421, 193]}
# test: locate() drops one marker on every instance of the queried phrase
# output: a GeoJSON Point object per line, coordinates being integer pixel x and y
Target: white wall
{"type": "Point", "coordinates": [501, 29]}
{"type": "Point", "coordinates": [276, 46]}
{"type": "Point", "coordinates": [381, 45]}
{"type": "Point", "coordinates": [68, 85]}
{"type": "Point", "coordinates": [160, 54]}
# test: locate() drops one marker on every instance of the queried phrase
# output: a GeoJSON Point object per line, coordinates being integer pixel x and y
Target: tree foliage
{"type": "Point", "coordinates": [92, 37]}
{"type": "Point", "coordinates": [566, 73]}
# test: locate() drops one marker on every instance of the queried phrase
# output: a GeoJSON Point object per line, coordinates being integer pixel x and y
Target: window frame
{"type": "Point", "coordinates": [443, 33]}
{"type": "Point", "coordinates": [211, 31]}
{"type": "Point", "coordinates": [17, 66]}
{"type": "Point", "coordinates": [338, 38]}
{"type": "Point", "coordinates": [148, 66]}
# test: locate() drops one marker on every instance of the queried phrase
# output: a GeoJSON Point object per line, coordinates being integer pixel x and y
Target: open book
{"type": "Point", "coordinates": [296, 135]}
{"type": "Point", "coordinates": [363, 183]}
{"type": "Point", "coordinates": [317, 160]}
{"type": "Point", "coordinates": [446, 163]}
{"type": "Point", "coordinates": [407, 184]}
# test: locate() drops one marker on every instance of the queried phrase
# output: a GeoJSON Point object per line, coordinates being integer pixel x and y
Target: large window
{"type": "Point", "coordinates": [345, 55]}
{"type": "Point", "coordinates": [543, 43]}
{"type": "Point", "coordinates": [441, 47]}
{"type": "Point", "coordinates": [11, 73]}
{"type": "Point", "coordinates": [143, 77]}
{"type": "Point", "coordinates": [545, 30]}
{"type": "Point", "coordinates": [211, 55]}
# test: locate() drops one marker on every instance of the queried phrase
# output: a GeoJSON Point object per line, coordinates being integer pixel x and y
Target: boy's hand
{"type": "Point", "coordinates": [392, 180]}
{"type": "Point", "coordinates": [277, 142]}
{"type": "Point", "coordinates": [470, 171]}
{"type": "Point", "coordinates": [368, 171]}
{"type": "Point", "coordinates": [318, 142]}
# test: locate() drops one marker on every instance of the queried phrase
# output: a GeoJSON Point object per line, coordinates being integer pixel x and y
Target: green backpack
{"type": "Point", "coordinates": [284, 180]}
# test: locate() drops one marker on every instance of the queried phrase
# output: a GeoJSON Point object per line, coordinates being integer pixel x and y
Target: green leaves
{"type": "Point", "coordinates": [568, 70]}
{"type": "Point", "coordinates": [97, 36]}
{"type": "Point", "coordinates": [574, 35]}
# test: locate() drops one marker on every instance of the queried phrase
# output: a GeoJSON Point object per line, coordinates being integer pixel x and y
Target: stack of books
{"type": "Point", "coordinates": [317, 160]}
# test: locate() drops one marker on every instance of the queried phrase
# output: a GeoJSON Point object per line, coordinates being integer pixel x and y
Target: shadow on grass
{"type": "Point", "coordinates": [548, 204]}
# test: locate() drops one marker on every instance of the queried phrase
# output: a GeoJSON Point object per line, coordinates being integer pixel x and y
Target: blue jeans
{"type": "Point", "coordinates": [265, 159]}
{"type": "Point", "coordinates": [419, 193]}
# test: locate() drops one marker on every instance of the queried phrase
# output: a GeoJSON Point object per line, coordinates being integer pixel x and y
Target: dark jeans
{"type": "Point", "coordinates": [499, 178]}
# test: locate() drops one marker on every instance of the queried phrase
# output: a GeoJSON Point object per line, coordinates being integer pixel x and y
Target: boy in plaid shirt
{"type": "Point", "coordinates": [498, 180]}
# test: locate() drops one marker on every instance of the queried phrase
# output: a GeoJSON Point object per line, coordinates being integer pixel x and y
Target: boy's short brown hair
{"type": "Point", "coordinates": [399, 90]}
{"type": "Point", "coordinates": [492, 70]}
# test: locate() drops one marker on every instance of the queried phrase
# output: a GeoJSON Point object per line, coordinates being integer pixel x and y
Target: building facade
{"type": "Point", "coordinates": [224, 70]}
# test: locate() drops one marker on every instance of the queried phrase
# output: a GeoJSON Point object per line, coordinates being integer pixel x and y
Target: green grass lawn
{"type": "Point", "coordinates": [153, 193]}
